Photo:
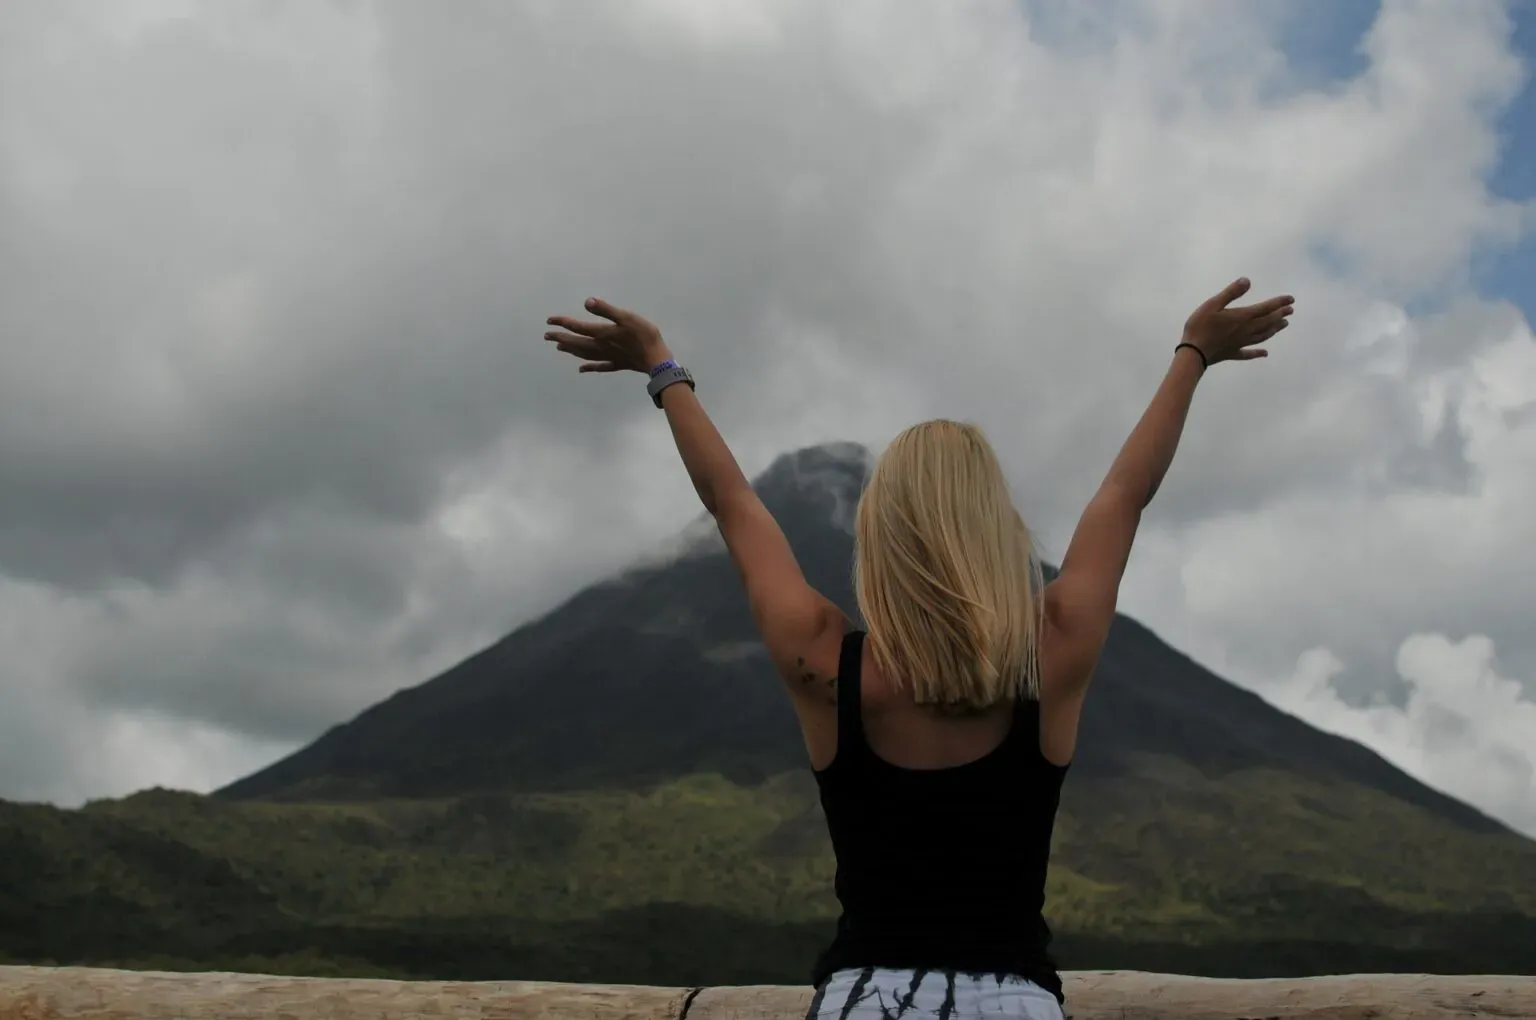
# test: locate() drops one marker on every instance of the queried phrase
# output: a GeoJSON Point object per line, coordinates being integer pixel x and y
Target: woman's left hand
{"type": "Point", "coordinates": [625, 343]}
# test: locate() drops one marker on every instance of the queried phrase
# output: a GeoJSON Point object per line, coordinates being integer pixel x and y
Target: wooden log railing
{"type": "Point", "coordinates": [82, 993]}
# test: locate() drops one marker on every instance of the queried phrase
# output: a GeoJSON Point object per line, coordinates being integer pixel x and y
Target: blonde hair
{"type": "Point", "coordinates": [945, 571]}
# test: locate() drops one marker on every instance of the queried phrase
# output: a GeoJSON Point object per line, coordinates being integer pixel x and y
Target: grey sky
{"type": "Point", "coordinates": [277, 434]}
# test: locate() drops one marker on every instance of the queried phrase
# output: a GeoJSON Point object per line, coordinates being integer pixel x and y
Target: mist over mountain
{"type": "Point", "coordinates": [659, 673]}
{"type": "Point", "coordinates": [617, 792]}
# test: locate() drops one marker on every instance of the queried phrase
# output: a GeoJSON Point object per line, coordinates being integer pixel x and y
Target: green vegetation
{"type": "Point", "coordinates": [615, 793]}
{"type": "Point", "coordinates": [700, 880]}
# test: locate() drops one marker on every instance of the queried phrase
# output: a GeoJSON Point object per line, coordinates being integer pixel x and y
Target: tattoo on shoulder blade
{"type": "Point", "coordinates": [827, 686]}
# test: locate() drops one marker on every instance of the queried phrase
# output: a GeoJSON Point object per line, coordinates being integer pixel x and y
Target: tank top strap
{"type": "Point", "coordinates": [850, 722]}
{"type": "Point", "coordinates": [1026, 724]}
{"type": "Point", "coordinates": [1025, 735]}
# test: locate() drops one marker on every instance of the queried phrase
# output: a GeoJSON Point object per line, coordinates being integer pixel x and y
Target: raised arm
{"type": "Point", "coordinates": [790, 614]}
{"type": "Point", "coordinates": [1080, 602]}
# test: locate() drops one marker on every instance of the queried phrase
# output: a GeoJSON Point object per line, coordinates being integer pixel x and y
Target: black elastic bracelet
{"type": "Point", "coordinates": [1203, 363]}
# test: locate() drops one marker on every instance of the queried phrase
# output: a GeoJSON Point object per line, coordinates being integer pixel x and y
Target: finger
{"type": "Point", "coordinates": [1234, 290]}
{"type": "Point", "coordinates": [1271, 319]}
{"type": "Point", "coordinates": [597, 366]}
{"type": "Point", "coordinates": [1268, 331]}
{"type": "Point", "coordinates": [582, 326]}
{"type": "Point", "coordinates": [1271, 306]}
{"type": "Point", "coordinates": [581, 346]}
{"type": "Point", "coordinates": [597, 306]}
{"type": "Point", "coordinates": [1250, 353]}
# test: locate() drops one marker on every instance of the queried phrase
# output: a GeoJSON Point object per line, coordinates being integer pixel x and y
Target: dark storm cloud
{"type": "Point", "coordinates": [278, 435]}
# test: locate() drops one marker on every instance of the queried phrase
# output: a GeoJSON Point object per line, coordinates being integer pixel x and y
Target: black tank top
{"type": "Point", "coordinates": [939, 869]}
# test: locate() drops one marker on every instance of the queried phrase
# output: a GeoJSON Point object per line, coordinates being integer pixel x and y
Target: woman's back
{"type": "Point", "coordinates": [907, 735]}
{"type": "Point", "coordinates": [942, 830]}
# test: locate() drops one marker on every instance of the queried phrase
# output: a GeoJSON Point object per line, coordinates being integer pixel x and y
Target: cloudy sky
{"type": "Point", "coordinates": [278, 434]}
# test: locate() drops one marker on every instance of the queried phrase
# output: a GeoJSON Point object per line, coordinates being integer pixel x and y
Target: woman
{"type": "Point", "coordinates": [941, 738]}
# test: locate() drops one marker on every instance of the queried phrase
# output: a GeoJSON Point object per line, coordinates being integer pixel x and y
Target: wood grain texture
{"type": "Point", "coordinates": [1129, 995]}
{"type": "Point", "coordinates": [79, 993]}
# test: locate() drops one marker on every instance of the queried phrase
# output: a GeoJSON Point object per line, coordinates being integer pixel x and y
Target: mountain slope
{"type": "Point", "coordinates": [617, 793]}
{"type": "Point", "coordinates": [658, 673]}
{"type": "Point", "coordinates": [701, 881]}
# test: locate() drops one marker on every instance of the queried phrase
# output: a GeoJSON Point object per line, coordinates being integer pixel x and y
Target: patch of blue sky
{"type": "Point", "coordinates": [1322, 40]}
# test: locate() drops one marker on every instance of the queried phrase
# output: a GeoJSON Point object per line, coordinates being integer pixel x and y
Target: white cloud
{"type": "Point", "coordinates": [1464, 729]}
{"type": "Point", "coordinates": [1355, 567]}
{"type": "Point", "coordinates": [1349, 563]}
{"type": "Point", "coordinates": [277, 434]}
{"type": "Point", "coordinates": [138, 750]}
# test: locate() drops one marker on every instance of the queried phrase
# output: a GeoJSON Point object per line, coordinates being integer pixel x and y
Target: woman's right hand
{"type": "Point", "coordinates": [1223, 333]}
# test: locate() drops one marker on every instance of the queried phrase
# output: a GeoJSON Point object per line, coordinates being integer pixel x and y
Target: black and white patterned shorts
{"type": "Point", "coordinates": [880, 994]}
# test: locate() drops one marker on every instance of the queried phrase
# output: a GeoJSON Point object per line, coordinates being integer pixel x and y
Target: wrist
{"type": "Point", "coordinates": [654, 356]}
{"type": "Point", "coordinates": [1192, 353]}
